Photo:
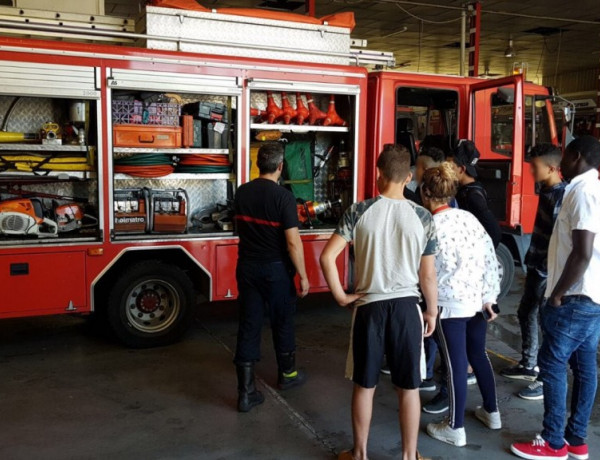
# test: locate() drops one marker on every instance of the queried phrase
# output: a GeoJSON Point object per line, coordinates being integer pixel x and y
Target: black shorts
{"type": "Point", "coordinates": [392, 327]}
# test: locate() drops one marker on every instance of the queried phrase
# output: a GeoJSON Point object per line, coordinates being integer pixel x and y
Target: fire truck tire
{"type": "Point", "coordinates": [151, 304]}
{"type": "Point", "coordinates": [506, 266]}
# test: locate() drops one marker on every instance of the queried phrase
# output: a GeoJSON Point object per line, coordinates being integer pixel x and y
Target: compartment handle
{"type": "Point", "coordinates": [146, 139]}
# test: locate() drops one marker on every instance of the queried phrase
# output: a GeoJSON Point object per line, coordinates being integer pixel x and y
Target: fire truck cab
{"type": "Point", "coordinates": [504, 117]}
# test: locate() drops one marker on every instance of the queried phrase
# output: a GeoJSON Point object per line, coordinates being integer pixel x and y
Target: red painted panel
{"type": "Point", "coordinates": [312, 253]}
{"type": "Point", "coordinates": [38, 282]}
{"type": "Point", "coordinates": [225, 283]}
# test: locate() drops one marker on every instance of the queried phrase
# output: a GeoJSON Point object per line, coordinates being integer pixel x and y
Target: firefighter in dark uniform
{"type": "Point", "coordinates": [270, 255]}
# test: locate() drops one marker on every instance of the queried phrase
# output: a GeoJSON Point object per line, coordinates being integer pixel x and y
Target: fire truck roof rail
{"type": "Point", "coordinates": [85, 21]}
{"type": "Point", "coordinates": [372, 57]}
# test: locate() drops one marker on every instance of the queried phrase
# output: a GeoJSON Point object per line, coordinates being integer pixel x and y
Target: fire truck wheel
{"type": "Point", "coordinates": [152, 304]}
{"type": "Point", "coordinates": [506, 267]}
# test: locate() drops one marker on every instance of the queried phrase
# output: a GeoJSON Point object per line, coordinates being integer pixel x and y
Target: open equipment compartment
{"type": "Point", "coordinates": [49, 191]}
{"type": "Point", "coordinates": [174, 145]}
{"type": "Point", "coordinates": [316, 123]}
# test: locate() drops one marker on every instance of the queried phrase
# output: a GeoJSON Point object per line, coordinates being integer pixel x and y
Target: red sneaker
{"type": "Point", "coordinates": [538, 449]}
{"type": "Point", "coordinates": [578, 452]}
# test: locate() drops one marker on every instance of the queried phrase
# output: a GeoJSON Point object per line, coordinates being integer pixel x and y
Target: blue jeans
{"type": "Point", "coordinates": [570, 336]}
{"type": "Point", "coordinates": [265, 285]}
{"type": "Point", "coordinates": [431, 349]}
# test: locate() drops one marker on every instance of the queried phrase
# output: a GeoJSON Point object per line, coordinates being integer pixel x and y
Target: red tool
{"type": "Point", "coordinates": [257, 112]}
{"type": "Point", "coordinates": [274, 112]}
{"type": "Point", "coordinates": [309, 210]}
{"type": "Point", "coordinates": [301, 110]}
{"type": "Point", "coordinates": [315, 114]}
{"type": "Point", "coordinates": [69, 217]}
{"type": "Point", "coordinates": [332, 118]}
{"type": "Point", "coordinates": [288, 111]}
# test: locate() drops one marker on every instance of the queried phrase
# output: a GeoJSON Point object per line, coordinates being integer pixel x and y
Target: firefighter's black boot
{"type": "Point", "coordinates": [248, 395]}
{"type": "Point", "coordinates": [289, 376]}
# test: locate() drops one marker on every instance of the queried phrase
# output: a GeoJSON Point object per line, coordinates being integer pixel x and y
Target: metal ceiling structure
{"type": "Point", "coordinates": [551, 36]}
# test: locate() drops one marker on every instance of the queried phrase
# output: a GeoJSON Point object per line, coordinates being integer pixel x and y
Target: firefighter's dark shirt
{"type": "Point", "coordinates": [263, 211]}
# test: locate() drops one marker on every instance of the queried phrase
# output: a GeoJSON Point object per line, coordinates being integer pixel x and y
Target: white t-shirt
{"type": "Point", "coordinates": [390, 237]}
{"type": "Point", "coordinates": [580, 211]}
{"type": "Point", "coordinates": [466, 265]}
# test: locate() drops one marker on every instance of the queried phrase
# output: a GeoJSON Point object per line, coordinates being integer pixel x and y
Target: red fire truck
{"type": "Point", "coordinates": [118, 164]}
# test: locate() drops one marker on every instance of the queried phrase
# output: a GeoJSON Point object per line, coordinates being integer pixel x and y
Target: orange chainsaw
{"type": "Point", "coordinates": [25, 216]}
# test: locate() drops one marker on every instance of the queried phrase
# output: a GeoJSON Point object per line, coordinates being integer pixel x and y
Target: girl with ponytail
{"type": "Point", "coordinates": [468, 285]}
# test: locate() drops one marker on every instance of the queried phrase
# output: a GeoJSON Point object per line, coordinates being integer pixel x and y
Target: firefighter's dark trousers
{"type": "Point", "coordinates": [265, 285]}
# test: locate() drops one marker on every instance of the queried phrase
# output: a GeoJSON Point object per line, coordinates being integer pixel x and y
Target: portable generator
{"type": "Point", "coordinates": [131, 210]}
{"type": "Point", "coordinates": [168, 211]}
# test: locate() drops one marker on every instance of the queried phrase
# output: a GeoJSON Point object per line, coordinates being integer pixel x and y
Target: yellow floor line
{"type": "Point", "coordinates": [501, 356]}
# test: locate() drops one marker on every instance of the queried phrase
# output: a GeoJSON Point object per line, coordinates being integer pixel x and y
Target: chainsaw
{"type": "Point", "coordinates": [70, 217]}
{"type": "Point", "coordinates": [25, 217]}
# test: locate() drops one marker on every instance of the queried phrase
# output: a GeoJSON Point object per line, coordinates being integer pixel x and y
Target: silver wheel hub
{"type": "Point", "coordinates": [152, 306]}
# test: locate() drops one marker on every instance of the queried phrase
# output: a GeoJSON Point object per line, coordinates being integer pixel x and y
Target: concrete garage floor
{"type": "Point", "coordinates": [68, 394]}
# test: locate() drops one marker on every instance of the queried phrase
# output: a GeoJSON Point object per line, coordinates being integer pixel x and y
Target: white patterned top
{"type": "Point", "coordinates": [466, 265]}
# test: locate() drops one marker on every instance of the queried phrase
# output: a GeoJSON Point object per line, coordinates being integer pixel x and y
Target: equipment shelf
{"type": "Point", "coordinates": [176, 151]}
{"type": "Point", "coordinates": [300, 128]}
{"type": "Point", "coordinates": [189, 176]}
{"type": "Point", "coordinates": [62, 176]}
{"type": "Point", "coordinates": [43, 147]}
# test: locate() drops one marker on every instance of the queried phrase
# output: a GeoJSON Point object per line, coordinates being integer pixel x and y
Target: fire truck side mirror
{"type": "Point", "coordinates": [567, 137]}
{"type": "Point", "coordinates": [568, 114]}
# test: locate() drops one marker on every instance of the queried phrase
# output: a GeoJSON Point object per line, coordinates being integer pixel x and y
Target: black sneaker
{"type": "Point", "coordinates": [385, 369]}
{"type": "Point", "coordinates": [291, 380]}
{"type": "Point", "coordinates": [428, 385]}
{"type": "Point", "coordinates": [520, 372]}
{"type": "Point", "coordinates": [438, 405]}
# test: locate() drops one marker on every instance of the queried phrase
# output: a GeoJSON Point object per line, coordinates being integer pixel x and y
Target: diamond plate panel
{"type": "Point", "coordinates": [82, 190]}
{"type": "Point", "coordinates": [30, 113]}
{"type": "Point", "coordinates": [261, 34]}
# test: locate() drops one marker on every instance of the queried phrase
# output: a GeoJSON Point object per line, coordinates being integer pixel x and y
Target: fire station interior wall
{"type": "Point", "coordinates": [73, 6]}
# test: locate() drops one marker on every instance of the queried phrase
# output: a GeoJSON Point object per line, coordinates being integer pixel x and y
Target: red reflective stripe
{"type": "Point", "coordinates": [253, 220]}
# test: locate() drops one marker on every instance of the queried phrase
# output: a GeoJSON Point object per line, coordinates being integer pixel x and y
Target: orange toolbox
{"type": "Point", "coordinates": [147, 136]}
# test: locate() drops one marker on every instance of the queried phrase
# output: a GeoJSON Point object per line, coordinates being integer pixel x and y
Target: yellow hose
{"type": "Point", "coordinates": [11, 137]}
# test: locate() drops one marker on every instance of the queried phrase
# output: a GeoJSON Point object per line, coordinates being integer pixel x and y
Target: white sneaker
{"type": "Point", "coordinates": [443, 432]}
{"type": "Point", "coordinates": [491, 420]}
{"type": "Point", "coordinates": [471, 379]}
